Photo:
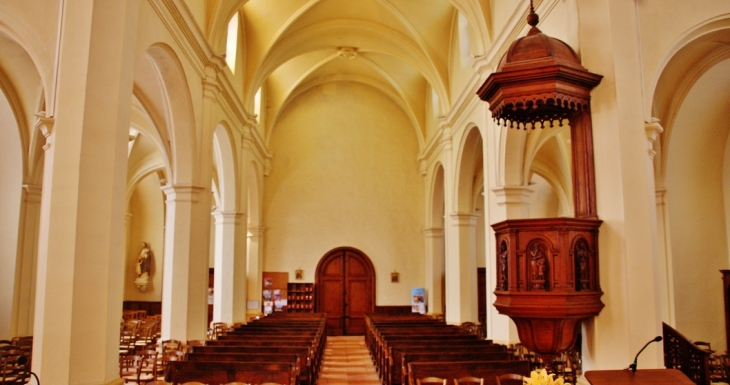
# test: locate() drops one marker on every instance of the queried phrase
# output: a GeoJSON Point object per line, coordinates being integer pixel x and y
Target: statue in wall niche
{"type": "Point", "coordinates": [142, 267]}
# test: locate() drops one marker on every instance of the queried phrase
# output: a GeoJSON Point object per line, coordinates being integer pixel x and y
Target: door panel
{"type": "Point", "coordinates": [345, 290]}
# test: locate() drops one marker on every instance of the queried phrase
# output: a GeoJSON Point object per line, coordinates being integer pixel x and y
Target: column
{"type": "Point", "coordinates": [662, 264]}
{"type": "Point", "coordinates": [434, 269]}
{"type": "Point", "coordinates": [230, 268]}
{"type": "Point", "coordinates": [461, 270]}
{"type": "Point", "coordinates": [513, 201]}
{"type": "Point", "coordinates": [184, 295]}
{"type": "Point", "coordinates": [81, 234]}
{"type": "Point", "coordinates": [255, 265]}
{"type": "Point", "coordinates": [610, 46]}
{"type": "Point", "coordinates": [25, 273]}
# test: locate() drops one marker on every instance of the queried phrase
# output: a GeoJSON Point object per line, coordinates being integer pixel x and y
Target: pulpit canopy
{"type": "Point", "coordinates": [539, 80]}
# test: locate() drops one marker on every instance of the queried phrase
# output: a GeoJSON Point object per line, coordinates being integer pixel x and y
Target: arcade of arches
{"type": "Point", "coordinates": [259, 135]}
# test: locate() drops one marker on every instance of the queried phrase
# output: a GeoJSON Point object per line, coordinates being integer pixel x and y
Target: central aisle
{"type": "Point", "coordinates": [347, 361]}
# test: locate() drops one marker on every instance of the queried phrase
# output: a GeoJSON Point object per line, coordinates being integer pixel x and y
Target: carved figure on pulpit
{"type": "Point", "coordinates": [502, 258]}
{"type": "Point", "coordinates": [582, 279]}
{"type": "Point", "coordinates": [538, 265]}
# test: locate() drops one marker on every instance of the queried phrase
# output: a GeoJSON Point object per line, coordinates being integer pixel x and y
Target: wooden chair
{"type": "Point", "coordinates": [218, 329]}
{"type": "Point", "coordinates": [431, 380]}
{"type": "Point", "coordinates": [191, 343]}
{"type": "Point", "coordinates": [704, 346]}
{"type": "Point", "coordinates": [139, 368]}
{"type": "Point", "coordinates": [170, 345]}
{"type": "Point", "coordinates": [12, 370]}
{"type": "Point", "coordinates": [469, 381]}
{"type": "Point", "coordinates": [510, 379]}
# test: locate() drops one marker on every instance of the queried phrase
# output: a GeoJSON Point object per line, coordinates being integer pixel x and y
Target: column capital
{"type": "Point", "coordinates": [652, 129]}
{"type": "Point", "coordinates": [182, 193]}
{"type": "Point", "coordinates": [228, 217]}
{"type": "Point", "coordinates": [464, 219]}
{"type": "Point", "coordinates": [661, 195]}
{"type": "Point", "coordinates": [45, 125]}
{"type": "Point", "coordinates": [433, 232]}
{"type": "Point", "coordinates": [211, 88]}
{"type": "Point", "coordinates": [32, 193]}
{"type": "Point", "coordinates": [512, 194]}
{"type": "Point", "coordinates": [256, 231]}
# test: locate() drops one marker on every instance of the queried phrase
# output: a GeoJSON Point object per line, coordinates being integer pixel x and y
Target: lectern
{"type": "Point", "coordinates": [642, 376]}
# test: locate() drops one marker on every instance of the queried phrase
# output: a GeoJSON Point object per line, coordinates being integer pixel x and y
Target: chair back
{"type": "Point", "coordinates": [510, 379]}
{"type": "Point", "coordinates": [431, 380]}
{"type": "Point", "coordinates": [469, 381]}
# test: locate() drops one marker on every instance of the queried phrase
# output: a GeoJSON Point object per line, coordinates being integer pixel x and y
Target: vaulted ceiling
{"type": "Point", "coordinates": [406, 49]}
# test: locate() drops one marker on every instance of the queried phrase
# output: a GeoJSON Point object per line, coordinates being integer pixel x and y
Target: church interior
{"type": "Point", "coordinates": [199, 158]}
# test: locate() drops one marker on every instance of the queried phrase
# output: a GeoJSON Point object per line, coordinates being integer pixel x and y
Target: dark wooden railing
{"type": "Point", "coordinates": [680, 353]}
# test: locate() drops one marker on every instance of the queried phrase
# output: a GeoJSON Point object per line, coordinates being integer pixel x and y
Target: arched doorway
{"type": "Point", "coordinates": [345, 284]}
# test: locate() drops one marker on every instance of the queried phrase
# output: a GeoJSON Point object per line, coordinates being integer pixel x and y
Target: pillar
{"type": "Point", "coordinates": [255, 266]}
{"type": "Point", "coordinates": [511, 203]}
{"type": "Point", "coordinates": [461, 270]}
{"type": "Point", "coordinates": [25, 273]}
{"type": "Point", "coordinates": [230, 268]}
{"type": "Point", "coordinates": [185, 273]}
{"type": "Point", "coordinates": [610, 46]}
{"type": "Point", "coordinates": [434, 269]}
{"type": "Point", "coordinates": [81, 233]}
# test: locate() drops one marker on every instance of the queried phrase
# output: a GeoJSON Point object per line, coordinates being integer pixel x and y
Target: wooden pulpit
{"type": "Point", "coordinates": [642, 376]}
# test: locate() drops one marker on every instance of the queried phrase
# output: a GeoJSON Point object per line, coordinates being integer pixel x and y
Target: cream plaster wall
{"type": "Point", "coordinates": [696, 207]}
{"type": "Point", "coordinates": [343, 175]}
{"type": "Point", "coordinates": [543, 201]}
{"type": "Point", "coordinates": [145, 225]}
{"type": "Point", "coordinates": [11, 174]}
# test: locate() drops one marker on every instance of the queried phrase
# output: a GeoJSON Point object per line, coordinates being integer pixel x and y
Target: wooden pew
{"type": "Point", "coordinates": [449, 355]}
{"type": "Point", "coordinates": [488, 370]}
{"type": "Point", "coordinates": [315, 352]}
{"type": "Point", "coordinates": [307, 371]}
{"type": "Point", "coordinates": [385, 340]}
{"type": "Point", "coordinates": [309, 363]}
{"type": "Point", "coordinates": [392, 367]}
{"type": "Point", "coordinates": [218, 372]}
{"type": "Point", "coordinates": [292, 359]}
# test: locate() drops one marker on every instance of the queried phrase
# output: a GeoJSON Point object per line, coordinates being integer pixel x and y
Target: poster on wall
{"type": "Point", "coordinates": [418, 300]}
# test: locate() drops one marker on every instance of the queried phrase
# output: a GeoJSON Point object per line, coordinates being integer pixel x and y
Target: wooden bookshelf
{"type": "Point", "coordinates": [300, 298]}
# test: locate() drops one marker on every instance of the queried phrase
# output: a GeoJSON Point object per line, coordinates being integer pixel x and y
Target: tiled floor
{"type": "Point", "coordinates": [347, 361]}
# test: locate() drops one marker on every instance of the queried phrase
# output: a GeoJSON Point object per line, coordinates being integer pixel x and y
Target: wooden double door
{"type": "Point", "coordinates": [345, 284]}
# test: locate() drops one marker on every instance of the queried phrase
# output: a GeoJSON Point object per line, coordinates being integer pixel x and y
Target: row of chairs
{"type": "Point", "coordinates": [150, 363]}
{"type": "Point", "coordinates": [200, 383]}
{"type": "Point", "coordinates": [137, 334]}
{"type": "Point", "coordinates": [504, 379]}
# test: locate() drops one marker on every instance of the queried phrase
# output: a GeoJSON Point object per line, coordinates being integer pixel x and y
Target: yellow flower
{"type": "Point", "coordinates": [541, 377]}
